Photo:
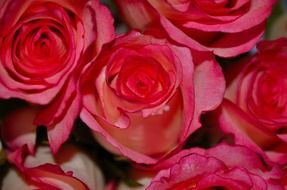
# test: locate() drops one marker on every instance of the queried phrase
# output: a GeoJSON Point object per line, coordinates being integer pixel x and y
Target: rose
{"type": "Point", "coordinates": [44, 45]}
{"type": "Point", "coordinates": [227, 27]}
{"type": "Point", "coordinates": [70, 168]}
{"type": "Point", "coordinates": [255, 109]}
{"type": "Point", "coordinates": [220, 167]}
{"type": "Point", "coordinates": [78, 171]}
{"type": "Point", "coordinates": [15, 180]}
{"type": "Point", "coordinates": [143, 96]}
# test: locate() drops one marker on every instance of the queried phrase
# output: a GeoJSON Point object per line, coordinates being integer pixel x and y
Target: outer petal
{"type": "Point", "coordinates": [70, 169]}
{"type": "Point", "coordinates": [17, 129]}
{"type": "Point", "coordinates": [59, 116]}
{"type": "Point", "coordinates": [187, 168]}
{"type": "Point", "coordinates": [223, 46]}
{"type": "Point", "coordinates": [209, 88]}
{"type": "Point", "coordinates": [232, 120]}
{"type": "Point", "coordinates": [94, 124]}
{"type": "Point", "coordinates": [52, 177]}
{"type": "Point", "coordinates": [73, 161]}
{"type": "Point", "coordinates": [259, 9]}
{"type": "Point", "coordinates": [199, 168]}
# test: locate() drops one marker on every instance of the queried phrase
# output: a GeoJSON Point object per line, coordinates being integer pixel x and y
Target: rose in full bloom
{"type": "Point", "coordinates": [44, 45]}
{"type": "Point", "coordinates": [221, 167]}
{"type": "Point", "coordinates": [255, 109]}
{"type": "Point", "coordinates": [37, 168]}
{"type": "Point", "coordinates": [226, 27]}
{"type": "Point", "coordinates": [143, 96]}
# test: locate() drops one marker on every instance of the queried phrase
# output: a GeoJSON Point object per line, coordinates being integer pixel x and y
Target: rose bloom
{"type": "Point", "coordinates": [71, 168]}
{"type": "Point", "coordinates": [221, 167]}
{"type": "Point", "coordinates": [37, 168]}
{"type": "Point", "coordinates": [227, 27]}
{"type": "Point", "coordinates": [143, 96]}
{"type": "Point", "coordinates": [255, 109]}
{"type": "Point", "coordinates": [44, 44]}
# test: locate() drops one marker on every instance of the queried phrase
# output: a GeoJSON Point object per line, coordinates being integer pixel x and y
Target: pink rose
{"type": "Point", "coordinates": [44, 45]}
{"type": "Point", "coordinates": [143, 96]}
{"type": "Point", "coordinates": [255, 109]}
{"type": "Point", "coordinates": [71, 168]}
{"type": "Point", "coordinates": [227, 28]}
{"type": "Point", "coordinates": [220, 167]}
{"type": "Point", "coordinates": [37, 168]}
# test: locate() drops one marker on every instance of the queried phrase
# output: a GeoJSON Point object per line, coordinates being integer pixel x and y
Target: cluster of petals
{"type": "Point", "coordinates": [143, 96]}
{"type": "Point", "coordinates": [227, 28]}
{"type": "Point", "coordinates": [36, 167]}
{"type": "Point", "coordinates": [44, 46]}
{"type": "Point", "coordinates": [220, 167]}
{"type": "Point", "coordinates": [254, 110]}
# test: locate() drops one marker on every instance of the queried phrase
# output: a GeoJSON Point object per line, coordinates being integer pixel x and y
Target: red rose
{"type": "Point", "coordinates": [44, 45]}
{"type": "Point", "coordinates": [221, 167]}
{"type": "Point", "coordinates": [144, 95]}
{"type": "Point", "coordinates": [227, 27]}
{"type": "Point", "coordinates": [255, 109]}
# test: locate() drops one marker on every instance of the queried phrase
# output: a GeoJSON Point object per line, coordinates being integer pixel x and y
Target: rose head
{"type": "Point", "coordinates": [227, 27]}
{"type": "Point", "coordinates": [35, 166]}
{"type": "Point", "coordinates": [42, 42]}
{"type": "Point", "coordinates": [144, 95]}
{"type": "Point", "coordinates": [44, 45]}
{"type": "Point", "coordinates": [71, 168]}
{"type": "Point", "coordinates": [221, 167]}
{"type": "Point", "coordinates": [256, 107]}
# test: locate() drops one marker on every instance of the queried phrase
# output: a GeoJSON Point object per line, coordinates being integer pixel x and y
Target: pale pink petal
{"type": "Point", "coordinates": [209, 88]}
{"type": "Point", "coordinates": [94, 124]}
{"type": "Point", "coordinates": [227, 46]}
{"type": "Point", "coordinates": [234, 121]}
{"type": "Point", "coordinates": [17, 129]}
{"type": "Point", "coordinates": [257, 13]}
{"type": "Point", "coordinates": [49, 175]}
{"type": "Point", "coordinates": [59, 116]}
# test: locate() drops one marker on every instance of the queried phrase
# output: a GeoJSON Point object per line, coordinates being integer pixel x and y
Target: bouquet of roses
{"type": "Point", "coordinates": [143, 94]}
